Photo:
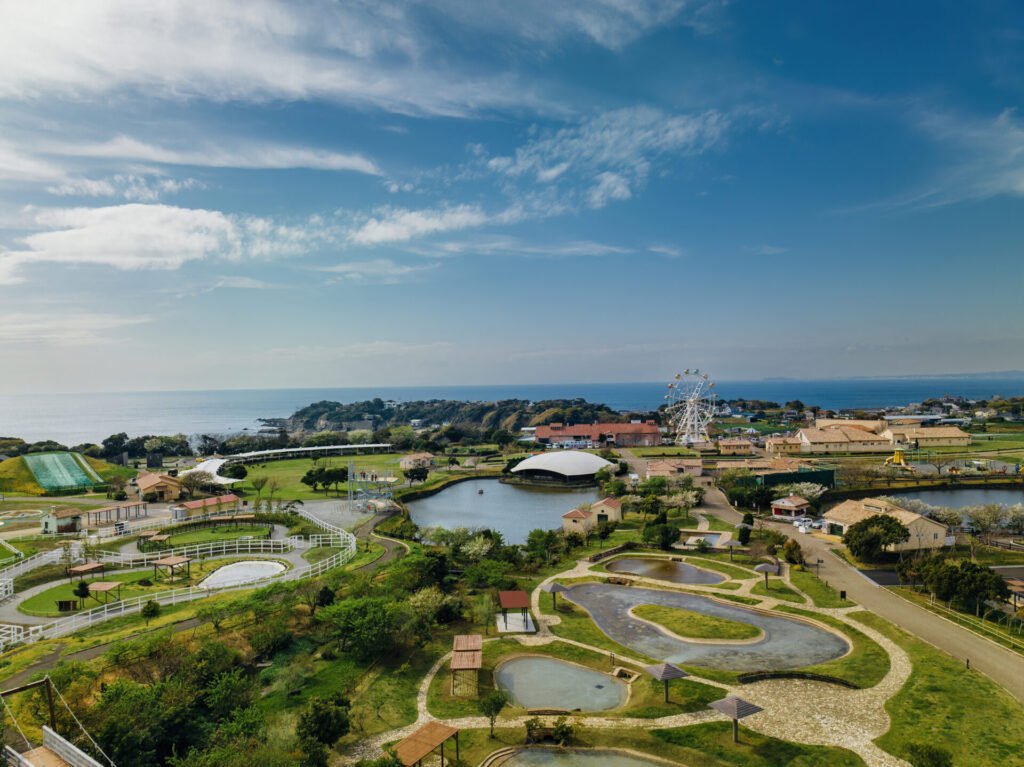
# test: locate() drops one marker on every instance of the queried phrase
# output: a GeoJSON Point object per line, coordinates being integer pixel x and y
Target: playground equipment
{"type": "Point", "coordinates": [898, 461]}
{"type": "Point", "coordinates": [372, 489]}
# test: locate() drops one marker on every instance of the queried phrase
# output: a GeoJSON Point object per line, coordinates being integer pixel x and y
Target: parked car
{"type": "Point", "coordinates": [818, 524]}
{"type": "Point", "coordinates": [802, 521]}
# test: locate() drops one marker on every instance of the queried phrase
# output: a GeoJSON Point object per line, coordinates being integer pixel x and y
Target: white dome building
{"type": "Point", "coordinates": [562, 466]}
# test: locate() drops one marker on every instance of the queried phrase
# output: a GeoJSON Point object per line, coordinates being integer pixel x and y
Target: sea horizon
{"type": "Point", "coordinates": [75, 418]}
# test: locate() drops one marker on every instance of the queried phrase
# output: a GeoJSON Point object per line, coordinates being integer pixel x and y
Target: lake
{"type": "Point", "coordinates": [512, 510]}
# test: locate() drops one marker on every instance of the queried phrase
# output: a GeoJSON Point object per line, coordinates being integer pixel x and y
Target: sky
{"type": "Point", "coordinates": [262, 194]}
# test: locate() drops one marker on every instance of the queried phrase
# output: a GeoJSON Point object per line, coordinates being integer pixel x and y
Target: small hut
{"type": "Point", "coordinates": [467, 660]}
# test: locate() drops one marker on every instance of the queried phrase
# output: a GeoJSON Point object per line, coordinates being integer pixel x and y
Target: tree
{"type": "Point", "coordinates": [150, 610]}
{"type": "Point", "coordinates": [313, 478]}
{"type": "Point", "coordinates": [483, 611]}
{"type": "Point", "coordinates": [663, 535]}
{"type": "Point", "coordinates": [82, 592]}
{"type": "Point", "coordinates": [491, 706]}
{"type": "Point", "coordinates": [605, 529]}
{"type": "Point", "coordinates": [258, 483]}
{"type": "Point", "coordinates": [364, 626]}
{"type": "Point", "coordinates": [869, 538]}
{"type": "Point", "coordinates": [987, 518]}
{"type": "Point", "coordinates": [417, 474]}
{"type": "Point", "coordinates": [195, 481]}
{"type": "Point", "coordinates": [563, 731]}
{"type": "Point", "coordinates": [235, 471]}
{"type": "Point", "coordinates": [323, 719]}
{"type": "Point", "coordinates": [792, 552]}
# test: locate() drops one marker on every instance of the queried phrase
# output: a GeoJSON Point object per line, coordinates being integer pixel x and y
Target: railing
{"type": "Point", "coordinates": [32, 562]}
{"type": "Point", "coordinates": [969, 622]}
{"type": "Point", "coordinates": [67, 750]}
{"type": "Point", "coordinates": [6, 588]}
{"type": "Point", "coordinates": [13, 759]}
{"type": "Point", "coordinates": [199, 550]}
{"type": "Point", "coordinates": [10, 633]}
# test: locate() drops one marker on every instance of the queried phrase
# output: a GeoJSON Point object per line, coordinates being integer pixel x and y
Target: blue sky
{"type": "Point", "coordinates": [266, 194]}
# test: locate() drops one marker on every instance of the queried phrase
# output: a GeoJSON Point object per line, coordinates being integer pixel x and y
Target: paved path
{"type": "Point", "coordinates": [1003, 666]}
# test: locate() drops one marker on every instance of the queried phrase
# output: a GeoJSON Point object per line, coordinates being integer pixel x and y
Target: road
{"type": "Point", "coordinates": [1003, 666]}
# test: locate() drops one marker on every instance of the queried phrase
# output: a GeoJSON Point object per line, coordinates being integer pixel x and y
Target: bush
{"type": "Point", "coordinates": [150, 498]}
{"type": "Point", "coordinates": [927, 755]}
{"type": "Point", "coordinates": [235, 471]}
{"type": "Point", "coordinates": [792, 552]}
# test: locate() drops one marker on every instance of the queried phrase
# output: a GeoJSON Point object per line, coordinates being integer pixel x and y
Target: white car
{"type": "Point", "coordinates": [802, 521]}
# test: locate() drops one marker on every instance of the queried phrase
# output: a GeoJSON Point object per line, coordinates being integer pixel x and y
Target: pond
{"type": "Point", "coordinates": [241, 572]}
{"type": "Point", "coordinates": [534, 681]}
{"type": "Point", "coordinates": [665, 570]}
{"type": "Point", "coordinates": [512, 510]}
{"type": "Point", "coordinates": [967, 496]}
{"type": "Point", "coordinates": [576, 757]}
{"type": "Point", "coordinates": [787, 643]}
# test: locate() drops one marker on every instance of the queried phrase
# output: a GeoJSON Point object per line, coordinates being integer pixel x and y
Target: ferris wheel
{"type": "Point", "coordinates": [690, 406]}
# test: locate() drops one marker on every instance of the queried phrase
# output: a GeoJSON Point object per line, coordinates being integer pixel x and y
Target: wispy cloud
{"type": "Point", "coordinates": [770, 250]}
{"type": "Point", "coordinates": [64, 328]}
{"type": "Point", "coordinates": [667, 250]}
{"type": "Point", "coordinates": [511, 246]}
{"type": "Point", "coordinates": [610, 156]}
{"type": "Point", "coordinates": [130, 187]}
{"type": "Point", "coordinates": [136, 237]}
{"type": "Point", "coordinates": [390, 225]}
{"type": "Point", "coordinates": [210, 155]}
{"type": "Point", "coordinates": [379, 271]}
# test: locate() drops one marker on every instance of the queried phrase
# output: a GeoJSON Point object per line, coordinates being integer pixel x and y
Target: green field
{"type": "Point", "coordinates": [287, 475]}
{"type": "Point", "coordinates": [945, 705]}
{"type": "Point", "coordinates": [217, 533]}
{"type": "Point", "coordinates": [694, 625]}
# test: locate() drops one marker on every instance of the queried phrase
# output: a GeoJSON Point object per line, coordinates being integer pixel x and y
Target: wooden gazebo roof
{"type": "Point", "coordinates": [467, 642]}
{"type": "Point", "coordinates": [415, 747]}
{"type": "Point", "coordinates": [665, 671]}
{"type": "Point", "coordinates": [104, 586]}
{"type": "Point", "coordinates": [735, 708]}
{"type": "Point", "coordinates": [172, 561]}
{"type": "Point", "coordinates": [88, 567]}
{"type": "Point", "coordinates": [471, 660]}
{"type": "Point", "coordinates": [513, 600]}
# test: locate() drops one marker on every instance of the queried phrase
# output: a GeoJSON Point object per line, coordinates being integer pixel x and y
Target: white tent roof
{"type": "Point", "coordinates": [570, 463]}
{"type": "Point", "coordinates": [212, 466]}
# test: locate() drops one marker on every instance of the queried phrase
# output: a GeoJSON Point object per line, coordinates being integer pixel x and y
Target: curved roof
{"type": "Point", "coordinates": [569, 463]}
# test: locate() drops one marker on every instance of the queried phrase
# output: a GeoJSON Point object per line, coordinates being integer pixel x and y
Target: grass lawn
{"type": "Point", "coordinates": [821, 594]}
{"type": "Point", "coordinates": [687, 623]}
{"type": "Point", "coordinates": [711, 744]}
{"type": "Point", "coordinates": [717, 525]}
{"type": "Point", "coordinates": [44, 604]}
{"type": "Point", "coordinates": [646, 700]}
{"type": "Point", "coordinates": [17, 479]}
{"type": "Point", "coordinates": [720, 564]}
{"type": "Point", "coordinates": [576, 624]}
{"type": "Point", "coordinates": [364, 556]}
{"type": "Point", "coordinates": [945, 705]}
{"type": "Point", "coordinates": [288, 474]}
{"type": "Point", "coordinates": [738, 599]}
{"type": "Point", "coordinates": [777, 588]}
{"type": "Point", "coordinates": [673, 451]}
{"type": "Point", "coordinates": [218, 533]}
{"type": "Point", "coordinates": [990, 555]}
{"type": "Point", "coordinates": [865, 665]}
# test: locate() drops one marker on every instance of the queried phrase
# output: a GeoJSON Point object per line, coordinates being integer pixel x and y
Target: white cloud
{"type": "Point", "coordinates": [62, 328]}
{"type": "Point", "coordinates": [238, 155]}
{"type": "Point", "coordinates": [383, 54]}
{"type": "Point", "coordinates": [510, 246]}
{"type": "Point", "coordinates": [17, 164]}
{"type": "Point", "coordinates": [130, 187]}
{"type": "Point", "coordinates": [377, 271]}
{"type": "Point", "coordinates": [667, 250]}
{"type": "Point", "coordinates": [400, 224]}
{"type": "Point", "coordinates": [610, 155]}
{"type": "Point", "coordinates": [136, 236]}
{"type": "Point", "coordinates": [771, 250]}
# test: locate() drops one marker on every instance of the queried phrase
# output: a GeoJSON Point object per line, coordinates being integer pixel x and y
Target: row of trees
{"type": "Point", "coordinates": [961, 584]}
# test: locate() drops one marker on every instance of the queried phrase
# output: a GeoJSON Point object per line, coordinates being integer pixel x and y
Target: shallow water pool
{"type": "Point", "coordinates": [665, 570]}
{"type": "Point", "coordinates": [533, 681]}
{"type": "Point", "coordinates": [240, 572]}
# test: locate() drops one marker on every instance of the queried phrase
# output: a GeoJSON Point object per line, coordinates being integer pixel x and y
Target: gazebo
{"type": "Point", "coordinates": [766, 568]}
{"type": "Point", "coordinates": [172, 564]}
{"type": "Point", "coordinates": [467, 660]}
{"type": "Point", "coordinates": [89, 568]}
{"type": "Point", "coordinates": [666, 672]}
{"type": "Point", "coordinates": [412, 750]}
{"type": "Point", "coordinates": [514, 600]}
{"type": "Point", "coordinates": [105, 588]}
{"type": "Point", "coordinates": [554, 589]}
{"type": "Point", "coordinates": [736, 709]}
{"type": "Point", "coordinates": [731, 544]}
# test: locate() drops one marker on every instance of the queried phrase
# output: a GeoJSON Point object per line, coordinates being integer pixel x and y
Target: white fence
{"type": "Point", "coordinates": [10, 633]}
{"type": "Point", "coordinates": [6, 588]}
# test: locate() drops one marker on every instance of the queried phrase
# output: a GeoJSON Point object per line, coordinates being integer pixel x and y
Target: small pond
{"type": "Point", "coordinates": [241, 572]}
{"type": "Point", "coordinates": [534, 681]}
{"type": "Point", "coordinates": [512, 510]}
{"type": "Point", "coordinates": [665, 570]}
{"type": "Point", "coordinates": [576, 757]}
{"type": "Point", "coordinates": [787, 642]}
{"type": "Point", "coordinates": [967, 496]}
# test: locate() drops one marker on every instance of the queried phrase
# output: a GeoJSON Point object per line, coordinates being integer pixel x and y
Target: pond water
{"type": "Point", "coordinates": [558, 757]}
{"type": "Point", "coordinates": [665, 570]}
{"type": "Point", "coordinates": [787, 643]}
{"type": "Point", "coordinates": [534, 681]}
{"type": "Point", "coordinates": [967, 496]}
{"type": "Point", "coordinates": [240, 572]}
{"type": "Point", "coordinates": [512, 510]}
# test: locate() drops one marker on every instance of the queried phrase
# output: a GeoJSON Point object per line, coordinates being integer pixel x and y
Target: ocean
{"type": "Point", "coordinates": [77, 418]}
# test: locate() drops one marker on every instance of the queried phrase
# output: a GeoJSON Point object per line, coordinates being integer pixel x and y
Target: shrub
{"type": "Point", "coordinates": [927, 755]}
